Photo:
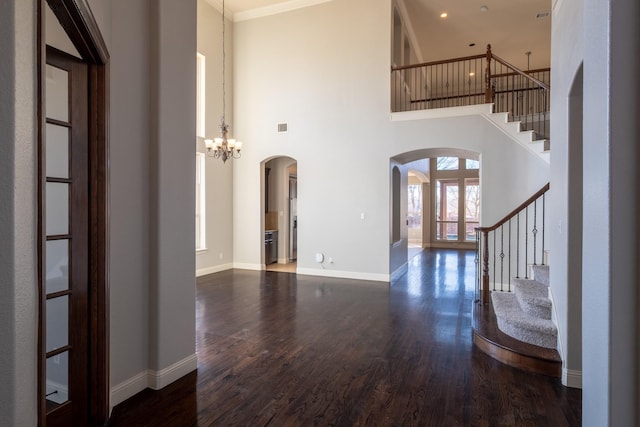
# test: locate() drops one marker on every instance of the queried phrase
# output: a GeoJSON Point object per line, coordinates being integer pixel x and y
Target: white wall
{"type": "Point", "coordinates": [18, 263]}
{"type": "Point", "coordinates": [219, 195]}
{"type": "Point", "coordinates": [130, 184]}
{"type": "Point", "coordinates": [152, 181]}
{"type": "Point", "coordinates": [567, 53]}
{"type": "Point", "coordinates": [610, 268]}
{"type": "Point", "coordinates": [332, 87]}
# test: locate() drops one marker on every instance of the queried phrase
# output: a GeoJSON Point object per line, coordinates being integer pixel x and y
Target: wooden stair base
{"type": "Point", "coordinates": [510, 351]}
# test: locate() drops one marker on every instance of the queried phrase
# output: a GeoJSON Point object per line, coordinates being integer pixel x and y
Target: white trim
{"type": "Point", "coordinates": [438, 113]}
{"type": "Point", "coordinates": [128, 388]}
{"type": "Point", "coordinates": [571, 378]}
{"type": "Point", "coordinates": [214, 269]}
{"type": "Point", "coordinates": [343, 274]}
{"type": "Point", "coordinates": [160, 379]}
{"type": "Point", "coordinates": [247, 266]}
{"type": "Point", "coordinates": [408, 26]}
{"type": "Point", "coordinates": [275, 9]}
{"type": "Point", "coordinates": [400, 271]}
{"type": "Point", "coordinates": [151, 379]}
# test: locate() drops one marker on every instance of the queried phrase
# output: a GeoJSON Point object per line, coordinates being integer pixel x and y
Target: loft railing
{"type": "Point", "coordinates": [506, 249]}
{"type": "Point", "coordinates": [473, 80]}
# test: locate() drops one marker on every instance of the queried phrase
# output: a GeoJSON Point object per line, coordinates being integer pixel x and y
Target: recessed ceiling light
{"type": "Point", "coordinates": [471, 74]}
{"type": "Point", "coordinates": [484, 8]}
{"type": "Point", "coordinates": [443, 15]}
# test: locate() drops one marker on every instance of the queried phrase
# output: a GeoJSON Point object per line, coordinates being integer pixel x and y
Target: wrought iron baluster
{"type": "Point", "coordinates": [494, 260]}
{"type": "Point", "coordinates": [526, 242]}
{"type": "Point", "coordinates": [535, 229]}
{"type": "Point", "coordinates": [543, 229]}
{"type": "Point", "coordinates": [502, 257]}
{"type": "Point", "coordinates": [509, 265]}
{"type": "Point", "coordinates": [518, 245]}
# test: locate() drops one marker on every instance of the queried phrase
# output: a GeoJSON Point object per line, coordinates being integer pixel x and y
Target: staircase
{"type": "Point", "coordinates": [525, 314]}
{"type": "Point", "coordinates": [529, 139]}
{"type": "Point", "coordinates": [512, 314]}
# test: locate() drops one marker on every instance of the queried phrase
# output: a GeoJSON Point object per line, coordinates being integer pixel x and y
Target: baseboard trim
{"type": "Point", "coordinates": [128, 388]}
{"type": "Point", "coordinates": [344, 274]}
{"type": "Point", "coordinates": [571, 378]}
{"type": "Point", "coordinates": [400, 271]}
{"type": "Point", "coordinates": [214, 269]}
{"type": "Point", "coordinates": [247, 266]}
{"type": "Point", "coordinates": [161, 379]}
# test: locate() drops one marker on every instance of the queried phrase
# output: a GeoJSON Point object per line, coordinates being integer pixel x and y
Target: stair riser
{"type": "Point", "coordinates": [526, 335]}
{"type": "Point", "coordinates": [541, 311]}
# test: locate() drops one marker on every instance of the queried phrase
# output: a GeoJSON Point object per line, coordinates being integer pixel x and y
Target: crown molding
{"type": "Point", "coordinates": [275, 9]}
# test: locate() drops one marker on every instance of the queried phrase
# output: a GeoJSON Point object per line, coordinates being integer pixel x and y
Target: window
{"type": "Point", "coordinates": [200, 95]}
{"type": "Point", "coordinates": [471, 208]}
{"type": "Point", "coordinates": [200, 202]}
{"type": "Point", "coordinates": [447, 209]}
{"type": "Point", "coordinates": [414, 209]}
{"type": "Point", "coordinates": [456, 197]}
{"type": "Point", "coordinates": [447, 163]}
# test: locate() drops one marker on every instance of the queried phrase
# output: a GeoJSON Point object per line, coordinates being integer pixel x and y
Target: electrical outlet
{"type": "Point", "coordinates": [220, 255]}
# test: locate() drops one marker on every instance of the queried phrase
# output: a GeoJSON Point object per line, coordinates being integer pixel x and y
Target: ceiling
{"type": "Point", "coordinates": [511, 26]}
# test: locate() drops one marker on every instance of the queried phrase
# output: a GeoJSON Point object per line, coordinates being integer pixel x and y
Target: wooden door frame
{"type": "Point", "coordinates": [82, 29]}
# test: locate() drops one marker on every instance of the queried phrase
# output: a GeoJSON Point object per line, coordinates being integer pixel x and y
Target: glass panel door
{"type": "Point", "coordinates": [471, 208]}
{"type": "Point", "coordinates": [66, 229]}
{"type": "Point", "coordinates": [447, 196]}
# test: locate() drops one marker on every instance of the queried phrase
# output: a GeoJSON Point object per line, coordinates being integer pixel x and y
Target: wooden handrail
{"type": "Point", "coordinates": [443, 61]}
{"type": "Point", "coordinates": [515, 73]}
{"type": "Point", "coordinates": [522, 73]}
{"type": "Point", "coordinates": [516, 211]}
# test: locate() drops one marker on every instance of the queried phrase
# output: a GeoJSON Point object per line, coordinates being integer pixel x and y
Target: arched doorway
{"type": "Point", "coordinates": [421, 167]}
{"type": "Point", "coordinates": [280, 214]}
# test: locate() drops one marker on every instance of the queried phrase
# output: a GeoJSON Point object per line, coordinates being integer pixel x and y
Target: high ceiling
{"type": "Point", "coordinates": [511, 26]}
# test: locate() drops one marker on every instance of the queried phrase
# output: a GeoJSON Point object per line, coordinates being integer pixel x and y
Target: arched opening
{"type": "Point", "coordinates": [280, 214]}
{"type": "Point", "coordinates": [419, 172]}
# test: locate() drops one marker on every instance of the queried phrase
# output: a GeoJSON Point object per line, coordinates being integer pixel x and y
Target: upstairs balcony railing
{"type": "Point", "coordinates": [473, 80]}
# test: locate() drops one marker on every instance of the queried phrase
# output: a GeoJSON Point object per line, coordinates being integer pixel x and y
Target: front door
{"type": "Point", "coordinates": [65, 208]}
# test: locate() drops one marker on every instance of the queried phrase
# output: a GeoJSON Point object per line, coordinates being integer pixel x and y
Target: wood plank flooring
{"type": "Point", "coordinates": [284, 350]}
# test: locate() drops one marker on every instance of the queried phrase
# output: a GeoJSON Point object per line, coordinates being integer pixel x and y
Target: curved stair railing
{"type": "Point", "coordinates": [507, 248]}
{"type": "Point", "coordinates": [472, 80]}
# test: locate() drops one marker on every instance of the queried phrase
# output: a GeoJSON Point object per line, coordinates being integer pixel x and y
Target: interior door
{"type": "Point", "coordinates": [65, 201]}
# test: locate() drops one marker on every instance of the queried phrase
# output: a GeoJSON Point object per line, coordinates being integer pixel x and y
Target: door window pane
{"type": "Point", "coordinates": [57, 274]}
{"type": "Point", "coordinates": [57, 93]}
{"type": "Point", "coordinates": [57, 151]}
{"type": "Point", "coordinates": [57, 206]}
{"type": "Point", "coordinates": [57, 386]}
{"type": "Point", "coordinates": [447, 163]}
{"type": "Point", "coordinates": [57, 322]}
{"type": "Point", "coordinates": [447, 209]}
{"type": "Point", "coordinates": [472, 164]}
{"type": "Point", "coordinates": [471, 207]}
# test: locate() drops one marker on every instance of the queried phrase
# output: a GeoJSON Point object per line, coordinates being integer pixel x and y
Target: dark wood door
{"type": "Point", "coordinates": [65, 201]}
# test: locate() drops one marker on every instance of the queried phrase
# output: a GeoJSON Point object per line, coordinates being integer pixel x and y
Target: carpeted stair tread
{"type": "Point", "coordinates": [533, 297]}
{"type": "Point", "coordinates": [541, 274]}
{"type": "Point", "coordinates": [515, 322]}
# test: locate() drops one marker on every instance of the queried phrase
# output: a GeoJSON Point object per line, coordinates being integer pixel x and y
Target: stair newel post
{"type": "Point", "coordinates": [488, 90]}
{"type": "Point", "coordinates": [485, 267]}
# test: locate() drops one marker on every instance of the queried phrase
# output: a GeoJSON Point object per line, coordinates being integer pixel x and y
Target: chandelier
{"type": "Point", "coordinates": [223, 148]}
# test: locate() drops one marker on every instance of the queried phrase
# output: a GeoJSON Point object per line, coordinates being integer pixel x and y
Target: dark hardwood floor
{"type": "Point", "coordinates": [284, 350]}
